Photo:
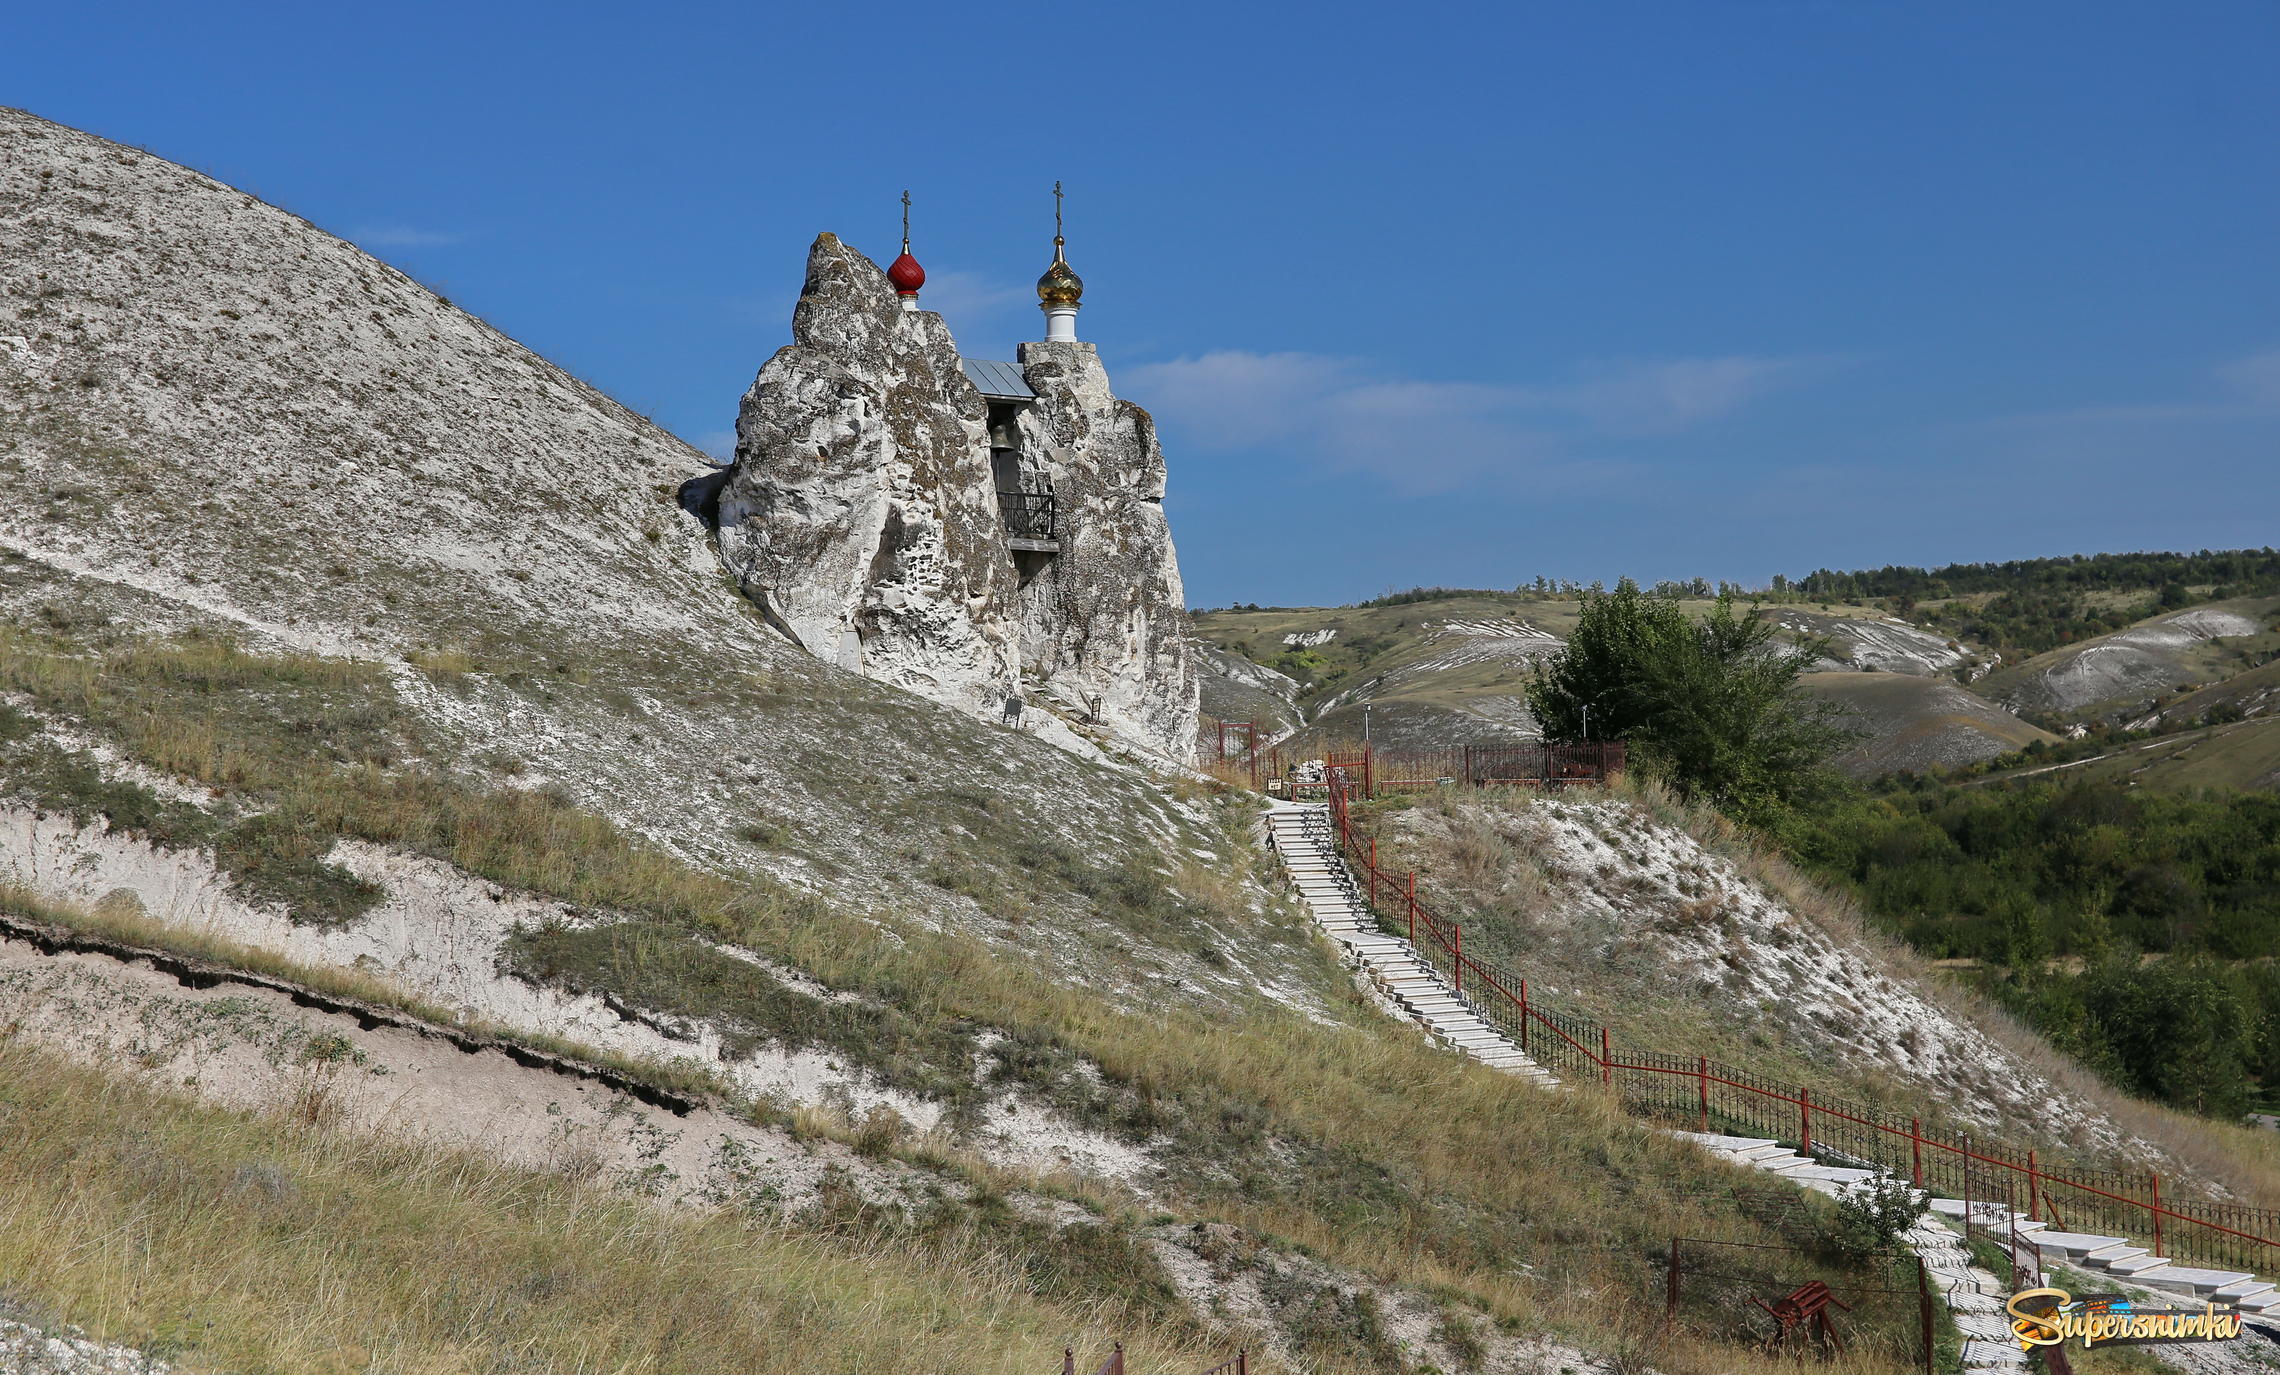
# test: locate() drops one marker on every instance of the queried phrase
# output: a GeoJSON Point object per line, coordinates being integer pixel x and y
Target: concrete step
{"type": "Point", "coordinates": [1991, 1357]}
{"type": "Point", "coordinates": [2073, 1245]}
{"type": "Point", "coordinates": [2132, 1266]}
{"type": "Point", "coordinates": [2185, 1279]}
{"type": "Point", "coordinates": [2120, 1250]}
{"type": "Point", "coordinates": [1761, 1150]}
{"type": "Point", "coordinates": [1780, 1162]}
{"type": "Point", "coordinates": [1729, 1144]}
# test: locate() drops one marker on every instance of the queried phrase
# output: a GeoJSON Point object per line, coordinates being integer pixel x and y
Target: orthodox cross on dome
{"type": "Point", "coordinates": [905, 272]}
{"type": "Point", "coordinates": [1060, 289]}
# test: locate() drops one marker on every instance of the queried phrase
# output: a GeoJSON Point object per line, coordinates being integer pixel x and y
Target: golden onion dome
{"type": "Point", "coordinates": [1060, 286]}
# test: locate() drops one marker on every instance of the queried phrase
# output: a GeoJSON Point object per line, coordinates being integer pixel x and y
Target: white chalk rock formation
{"type": "Point", "coordinates": [1104, 621]}
{"type": "Point", "coordinates": [856, 517]}
{"type": "Point", "coordinates": [864, 515]}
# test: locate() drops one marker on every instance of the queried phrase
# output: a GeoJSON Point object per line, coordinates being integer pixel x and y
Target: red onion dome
{"type": "Point", "coordinates": [907, 275]}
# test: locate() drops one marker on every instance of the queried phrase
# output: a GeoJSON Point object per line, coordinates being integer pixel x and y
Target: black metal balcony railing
{"type": "Point", "coordinates": [1029, 515]}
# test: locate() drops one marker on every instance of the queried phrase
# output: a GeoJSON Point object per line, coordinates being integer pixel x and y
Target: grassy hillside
{"type": "Point", "coordinates": [348, 640]}
{"type": "Point", "coordinates": [2022, 607]}
{"type": "Point", "coordinates": [1442, 668]}
{"type": "Point", "coordinates": [228, 1241]}
{"type": "Point", "coordinates": [1919, 724]}
{"type": "Point", "coordinates": [345, 642]}
{"type": "Point", "coordinates": [2142, 668]}
{"type": "Point", "coordinates": [1687, 935]}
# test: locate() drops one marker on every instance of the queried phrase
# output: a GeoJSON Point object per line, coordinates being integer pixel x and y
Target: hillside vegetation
{"type": "Point", "coordinates": [2053, 863]}
{"type": "Point", "coordinates": [388, 775]}
{"type": "Point", "coordinates": [2024, 606]}
{"type": "Point", "coordinates": [442, 927]}
{"type": "Point", "coordinates": [1928, 681]}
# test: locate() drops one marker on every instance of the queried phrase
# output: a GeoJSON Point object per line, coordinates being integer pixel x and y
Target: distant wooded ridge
{"type": "Point", "coordinates": [2223, 572]}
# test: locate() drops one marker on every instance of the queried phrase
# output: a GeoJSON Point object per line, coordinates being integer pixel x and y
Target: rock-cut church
{"type": "Point", "coordinates": [987, 534]}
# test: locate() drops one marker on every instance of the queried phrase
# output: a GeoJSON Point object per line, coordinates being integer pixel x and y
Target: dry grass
{"type": "Point", "coordinates": [446, 664]}
{"type": "Point", "coordinates": [2229, 1160]}
{"type": "Point", "coordinates": [1356, 1141]}
{"type": "Point", "coordinates": [229, 1241]}
{"type": "Point", "coordinates": [129, 925]}
{"type": "Point", "coordinates": [2240, 1161]}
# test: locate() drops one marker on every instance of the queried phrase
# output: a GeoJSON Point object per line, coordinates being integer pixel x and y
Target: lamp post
{"type": "Point", "coordinates": [1365, 725]}
{"type": "Point", "coordinates": [1587, 721]}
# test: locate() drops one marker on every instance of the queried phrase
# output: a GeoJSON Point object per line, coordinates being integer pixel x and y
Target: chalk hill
{"type": "Point", "coordinates": [388, 769]}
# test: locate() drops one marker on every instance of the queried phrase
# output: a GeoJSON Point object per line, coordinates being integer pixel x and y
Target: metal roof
{"type": "Point", "coordinates": [1001, 380]}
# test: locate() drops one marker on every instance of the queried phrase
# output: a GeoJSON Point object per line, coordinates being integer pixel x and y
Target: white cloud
{"type": "Point", "coordinates": [2255, 379]}
{"type": "Point", "coordinates": [1435, 435]}
{"type": "Point", "coordinates": [1658, 398]}
{"type": "Point", "coordinates": [2252, 381]}
{"type": "Point", "coordinates": [970, 295]}
{"type": "Point", "coordinates": [402, 236]}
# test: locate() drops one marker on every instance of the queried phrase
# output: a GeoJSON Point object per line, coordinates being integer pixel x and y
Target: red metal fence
{"type": "Point", "coordinates": [1369, 770]}
{"type": "Point", "coordinates": [1537, 765]}
{"type": "Point", "coordinates": [1709, 1095]}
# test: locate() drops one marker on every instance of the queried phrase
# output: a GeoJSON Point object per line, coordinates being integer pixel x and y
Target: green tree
{"type": "Point", "coordinates": [2175, 1030]}
{"type": "Point", "coordinates": [1711, 705]}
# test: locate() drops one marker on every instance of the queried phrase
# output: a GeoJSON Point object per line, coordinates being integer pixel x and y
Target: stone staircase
{"type": "Point", "coordinates": [1974, 1296]}
{"type": "Point", "coordinates": [1301, 835]}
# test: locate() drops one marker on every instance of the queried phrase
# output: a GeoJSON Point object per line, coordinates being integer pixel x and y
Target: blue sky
{"type": "Point", "coordinates": [1420, 294]}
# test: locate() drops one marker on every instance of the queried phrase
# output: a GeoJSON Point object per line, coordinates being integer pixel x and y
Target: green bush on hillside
{"type": "Point", "coordinates": [1712, 705]}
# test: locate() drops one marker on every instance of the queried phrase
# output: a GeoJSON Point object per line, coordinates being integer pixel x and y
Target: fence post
{"type": "Point", "coordinates": [1457, 955]}
{"type": "Point", "coordinates": [1670, 1294]}
{"type": "Point", "coordinates": [1967, 1186]}
{"type": "Point", "coordinates": [1606, 1058]}
{"type": "Point", "coordinates": [2156, 1212]}
{"type": "Point", "coordinates": [1805, 1121]}
{"type": "Point", "coordinates": [1468, 766]}
{"type": "Point", "coordinates": [1924, 1314]}
{"type": "Point", "coordinates": [1068, 1360]}
{"type": "Point", "coordinates": [1254, 741]}
{"type": "Point", "coordinates": [1373, 871]}
{"type": "Point", "coordinates": [1116, 1360]}
{"type": "Point", "coordinates": [2034, 1190]}
{"type": "Point", "coordinates": [1523, 1016]}
{"type": "Point", "coordinates": [1242, 1361]}
{"type": "Point", "coordinates": [1916, 1150]}
{"type": "Point", "coordinates": [1702, 1084]}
